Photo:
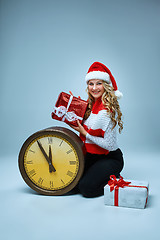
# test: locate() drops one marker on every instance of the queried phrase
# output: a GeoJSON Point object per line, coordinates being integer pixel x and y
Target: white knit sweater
{"type": "Point", "coordinates": [100, 138]}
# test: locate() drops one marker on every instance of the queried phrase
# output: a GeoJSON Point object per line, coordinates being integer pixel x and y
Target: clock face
{"type": "Point", "coordinates": [50, 163]}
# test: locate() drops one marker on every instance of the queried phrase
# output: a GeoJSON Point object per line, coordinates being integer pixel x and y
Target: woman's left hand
{"type": "Point", "coordinates": [79, 128]}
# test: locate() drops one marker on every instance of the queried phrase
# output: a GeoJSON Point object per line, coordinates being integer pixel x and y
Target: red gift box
{"type": "Point", "coordinates": [69, 108]}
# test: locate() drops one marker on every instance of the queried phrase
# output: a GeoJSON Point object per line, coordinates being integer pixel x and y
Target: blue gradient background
{"type": "Point", "coordinates": [47, 47]}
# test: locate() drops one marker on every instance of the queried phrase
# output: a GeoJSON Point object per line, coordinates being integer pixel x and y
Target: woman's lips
{"type": "Point", "coordinates": [95, 92]}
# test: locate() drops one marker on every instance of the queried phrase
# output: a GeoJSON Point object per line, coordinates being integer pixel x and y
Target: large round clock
{"type": "Point", "coordinates": [51, 161]}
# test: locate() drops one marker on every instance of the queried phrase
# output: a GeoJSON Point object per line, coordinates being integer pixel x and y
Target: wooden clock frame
{"type": "Point", "coordinates": [73, 139]}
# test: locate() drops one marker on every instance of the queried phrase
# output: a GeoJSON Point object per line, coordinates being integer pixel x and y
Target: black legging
{"type": "Point", "coordinates": [97, 171]}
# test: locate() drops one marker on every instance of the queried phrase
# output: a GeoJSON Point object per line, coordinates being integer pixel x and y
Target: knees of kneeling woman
{"type": "Point", "coordinates": [90, 189]}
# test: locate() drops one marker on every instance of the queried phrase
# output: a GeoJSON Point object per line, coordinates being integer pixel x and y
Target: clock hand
{"type": "Point", "coordinates": [51, 167]}
{"type": "Point", "coordinates": [50, 158]}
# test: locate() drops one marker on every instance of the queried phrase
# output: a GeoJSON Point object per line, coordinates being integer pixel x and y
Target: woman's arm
{"type": "Point", "coordinates": [108, 142]}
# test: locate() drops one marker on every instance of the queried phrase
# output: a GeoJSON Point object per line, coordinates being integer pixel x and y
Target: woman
{"type": "Point", "coordinates": [98, 131]}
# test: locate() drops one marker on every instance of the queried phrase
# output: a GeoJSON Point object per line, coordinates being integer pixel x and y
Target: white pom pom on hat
{"type": "Point", "coordinates": [99, 71]}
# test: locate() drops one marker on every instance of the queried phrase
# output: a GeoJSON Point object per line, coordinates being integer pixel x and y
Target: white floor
{"type": "Point", "coordinates": [27, 215]}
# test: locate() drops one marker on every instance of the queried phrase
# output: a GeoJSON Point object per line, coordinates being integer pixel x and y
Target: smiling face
{"type": "Point", "coordinates": [95, 88]}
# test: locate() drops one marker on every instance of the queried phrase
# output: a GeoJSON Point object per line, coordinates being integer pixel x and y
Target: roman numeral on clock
{"type": "Point", "coordinates": [50, 140]}
{"type": "Point", "coordinates": [40, 181]}
{"type": "Point", "coordinates": [62, 181]}
{"type": "Point", "coordinates": [69, 151]}
{"type": "Point", "coordinates": [32, 173]}
{"type": "Point", "coordinates": [29, 162]}
{"type": "Point", "coordinates": [51, 184]}
{"type": "Point", "coordinates": [70, 174]}
{"type": "Point", "coordinates": [60, 143]}
{"type": "Point", "coordinates": [72, 162]}
{"type": "Point", "coordinates": [31, 151]}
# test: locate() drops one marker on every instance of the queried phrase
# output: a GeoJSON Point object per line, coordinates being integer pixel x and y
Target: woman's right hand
{"type": "Point", "coordinates": [79, 128]}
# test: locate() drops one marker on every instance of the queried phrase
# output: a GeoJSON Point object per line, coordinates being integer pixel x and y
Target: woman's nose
{"type": "Point", "coordinates": [94, 86]}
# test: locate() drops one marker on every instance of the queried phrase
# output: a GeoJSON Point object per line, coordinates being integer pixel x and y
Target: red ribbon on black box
{"type": "Point", "coordinates": [69, 109]}
{"type": "Point", "coordinates": [115, 184]}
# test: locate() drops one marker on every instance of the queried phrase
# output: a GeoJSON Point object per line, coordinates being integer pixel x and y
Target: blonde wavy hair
{"type": "Point", "coordinates": [111, 104]}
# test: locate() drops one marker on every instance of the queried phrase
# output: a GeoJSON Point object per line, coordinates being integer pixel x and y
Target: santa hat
{"type": "Point", "coordinates": [99, 71]}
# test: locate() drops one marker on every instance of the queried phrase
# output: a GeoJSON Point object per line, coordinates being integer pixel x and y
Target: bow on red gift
{"type": "Point", "coordinates": [115, 184]}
